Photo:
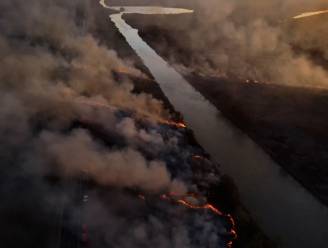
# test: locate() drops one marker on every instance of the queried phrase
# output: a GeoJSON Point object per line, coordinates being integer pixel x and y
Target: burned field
{"type": "Point", "coordinates": [93, 154]}
{"type": "Point", "coordinates": [84, 133]}
{"type": "Point", "coordinates": [288, 122]}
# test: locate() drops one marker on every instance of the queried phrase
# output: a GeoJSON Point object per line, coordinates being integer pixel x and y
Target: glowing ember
{"type": "Point", "coordinates": [183, 200]}
{"type": "Point", "coordinates": [145, 115]}
{"type": "Point", "coordinates": [308, 14]}
{"type": "Point", "coordinates": [194, 201]}
{"type": "Point", "coordinates": [173, 123]}
{"type": "Point", "coordinates": [139, 113]}
{"type": "Point", "coordinates": [206, 206]}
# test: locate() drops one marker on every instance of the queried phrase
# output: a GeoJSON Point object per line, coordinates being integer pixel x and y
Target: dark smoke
{"type": "Point", "coordinates": [64, 116]}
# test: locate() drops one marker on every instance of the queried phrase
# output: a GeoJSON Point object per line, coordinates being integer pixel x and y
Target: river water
{"type": "Point", "coordinates": [286, 211]}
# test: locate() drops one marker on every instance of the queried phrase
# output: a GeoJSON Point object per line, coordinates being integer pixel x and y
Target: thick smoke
{"type": "Point", "coordinates": [50, 65]}
{"type": "Point", "coordinates": [164, 227]}
{"type": "Point", "coordinates": [253, 40]}
{"type": "Point", "coordinates": [45, 52]}
{"type": "Point", "coordinates": [65, 115]}
{"type": "Point", "coordinates": [125, 168]}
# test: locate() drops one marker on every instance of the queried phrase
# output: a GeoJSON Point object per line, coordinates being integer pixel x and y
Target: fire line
{"type": "Point", "coordinates": [181, 200]}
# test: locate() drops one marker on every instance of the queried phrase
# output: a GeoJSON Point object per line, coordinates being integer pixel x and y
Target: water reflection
{"type": "Point", "coordinates": [282, 207]}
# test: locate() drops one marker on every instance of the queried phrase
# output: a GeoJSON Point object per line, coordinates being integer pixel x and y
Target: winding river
{"type": "Point", "coordinates": [286, 212]}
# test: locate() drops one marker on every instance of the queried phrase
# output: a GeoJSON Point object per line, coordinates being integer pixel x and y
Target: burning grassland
{"type": "Point", "coordinates": [244, 40]}
{"type": "Point", "coordinates": [64, 114]}
{"type": "Point", "coordinates": [155, 220]}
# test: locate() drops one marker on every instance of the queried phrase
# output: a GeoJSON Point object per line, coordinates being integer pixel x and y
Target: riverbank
{"type": "Point", "coordinates": [287, 122]}
{"type": "Point", "coordinates": [225, 196]}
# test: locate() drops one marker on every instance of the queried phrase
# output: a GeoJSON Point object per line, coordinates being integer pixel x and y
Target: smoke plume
{"type": "Point", "coordinates": [250, 40]}
{"type": "Point", "coordinates": [64, 116]}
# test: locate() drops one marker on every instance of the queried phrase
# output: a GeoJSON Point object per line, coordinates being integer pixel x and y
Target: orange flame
{"type": "Point", "coordinates": [182, 200]}
{"type": "Point", "coordinates": [98, 104]}
{"type": "Point", "coordinates": [207, 206]}
{"type": "Point", "coordinates": [173, 123]}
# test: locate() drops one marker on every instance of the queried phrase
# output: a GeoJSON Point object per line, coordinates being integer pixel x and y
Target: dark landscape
{"type": "Point", "coordinates": [224, 195]}
{"type": "Point", "coordinates": [288, 122]}
{"type": "Point", "coordinates": [64, 219]}
{"type": "Point", "coordinates": [103, 143]}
